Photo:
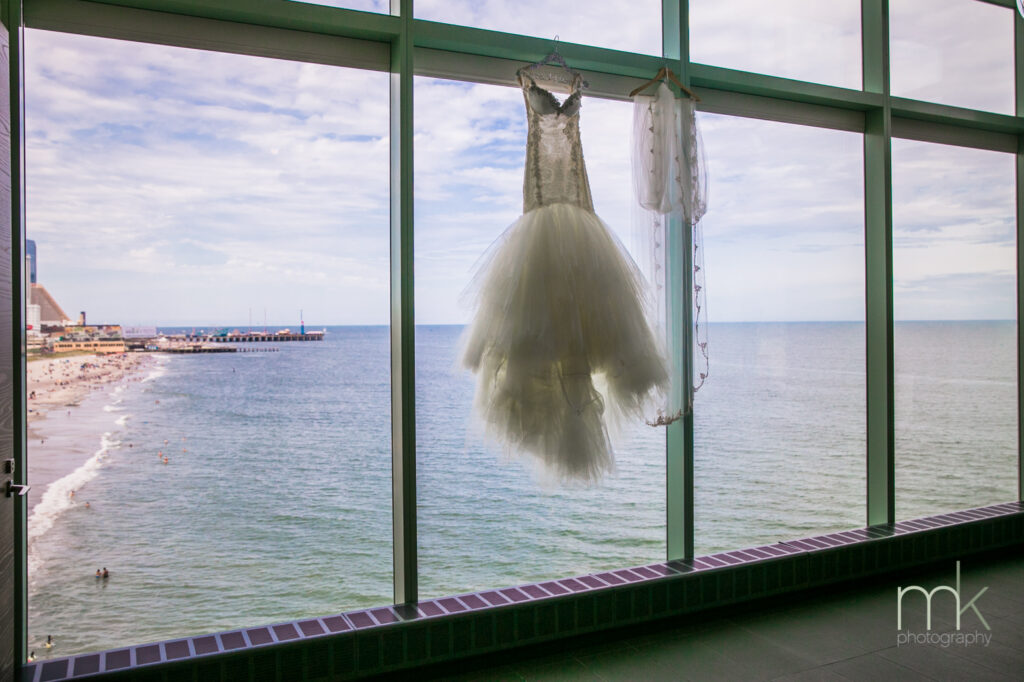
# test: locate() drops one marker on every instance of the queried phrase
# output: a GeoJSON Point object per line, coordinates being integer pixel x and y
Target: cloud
{"type": "Point", "coordinates": [954, 52]}
{"type": "Point", "coordinates": [173, 171]}
{"type": "Point", "coordinates": [174, 185]}
{"type": "Point", "coordinates": [631, 25]}
{"type": "Point", "coordinates": [954, 232]}
{"type": "Point", "coordinates": [812, 41]}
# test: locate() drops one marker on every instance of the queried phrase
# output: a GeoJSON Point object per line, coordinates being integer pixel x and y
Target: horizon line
{"type": "Point", "coordinates": [313, 327]}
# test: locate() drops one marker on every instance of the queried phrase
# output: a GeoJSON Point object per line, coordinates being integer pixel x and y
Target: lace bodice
{"type": "Point", "coordinates": [554, 155]}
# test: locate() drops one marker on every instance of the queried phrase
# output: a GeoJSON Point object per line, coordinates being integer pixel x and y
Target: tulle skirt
{"type": "Point", "coordinates": [559, 306]}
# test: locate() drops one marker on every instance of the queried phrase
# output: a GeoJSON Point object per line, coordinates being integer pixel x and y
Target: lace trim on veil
{"type": "Point", "coordinates": [670, 181]}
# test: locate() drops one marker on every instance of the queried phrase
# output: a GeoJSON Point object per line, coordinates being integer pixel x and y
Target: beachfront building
{"type": "Point", "coordinates": [30, 251]}
{"type": "Point", "coordinates": [50, 313]}
{"type": "Point", "coordinates": [97, 346]}
{"type": "Point", "coordinates": [906, 85]}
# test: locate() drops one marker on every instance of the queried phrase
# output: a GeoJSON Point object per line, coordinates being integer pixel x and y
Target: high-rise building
{"type": "Point", "coordinates": [30, 249]}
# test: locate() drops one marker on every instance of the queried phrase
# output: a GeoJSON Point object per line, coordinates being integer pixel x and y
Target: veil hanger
{"type": "Point", "coordinates": [663, 73]}
{"type": "Point", "coordinates": [553, 57]}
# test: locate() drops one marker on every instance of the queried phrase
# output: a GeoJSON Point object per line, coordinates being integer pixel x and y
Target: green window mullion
{"type": "Point", "coordinates": [1018, 40]}
{"type": "Point", "coordinates": [403, 332]}
{"type": "Point", "coordinates": [881, 491]}
{"type": "Point", "coordinates": [679, 437]}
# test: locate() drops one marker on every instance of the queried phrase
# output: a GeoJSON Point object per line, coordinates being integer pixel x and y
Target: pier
{"type": "Point", "coordinates": [215, 349]}
{"type": "Point", "coordinates": [254, 337]}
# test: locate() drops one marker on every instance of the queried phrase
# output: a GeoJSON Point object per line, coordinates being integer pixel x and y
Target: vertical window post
{"type": "Point", "coordinates": [881, 443]}
{"type": "Point", "coordinates": [679, 298]}
{"type": "Point", "coordinates": [13, 510]}
{"type": "Point", "coordinates": [403, 333]}
{"type": "Point", "coordinates": [1018, 41]}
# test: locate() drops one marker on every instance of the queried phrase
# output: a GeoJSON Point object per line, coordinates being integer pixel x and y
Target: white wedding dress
{"type": "Point", "coordinates": [560, 304]}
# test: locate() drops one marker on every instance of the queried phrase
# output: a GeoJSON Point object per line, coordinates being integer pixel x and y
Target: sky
{"type": "Point", "coordinates": [177, 187]}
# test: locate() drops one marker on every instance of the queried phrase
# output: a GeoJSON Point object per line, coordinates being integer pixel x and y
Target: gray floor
{"type": "Point", "coordinates": [850, 634]}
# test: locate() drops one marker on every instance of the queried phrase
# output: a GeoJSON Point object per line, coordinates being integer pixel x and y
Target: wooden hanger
{"type": "Point", "coordinates": [665, 72]}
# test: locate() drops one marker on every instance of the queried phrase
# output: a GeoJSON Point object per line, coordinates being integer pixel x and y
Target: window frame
{"type": "Point", "coordinates": [407, 47]}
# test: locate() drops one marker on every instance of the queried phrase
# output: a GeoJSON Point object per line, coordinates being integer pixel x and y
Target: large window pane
{"type": "Point", "coordinates": [954, 265]}
{"type": "Point", "coordinates": [379, 6]}
{"type": "Point", "coordinates": [192, 191]}
{"type": "Point", "coordinates": [631, 26]}
{"type": "Point", "coordinates": [484, 520]}
{"type": "Point", "coordinates": [810, 41]}
{"type": "Point", "coordinates": [957, 52]}
{"type": "Point", "coordinates": [779, 424]}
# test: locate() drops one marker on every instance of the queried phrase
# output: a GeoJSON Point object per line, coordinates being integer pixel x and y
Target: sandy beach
{"type": "Point", "coordinates": [65, 381]}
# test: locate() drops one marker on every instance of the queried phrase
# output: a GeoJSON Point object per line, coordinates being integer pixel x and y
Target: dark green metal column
{"type": "Point", "coordinates": [1018, 39]}
{"type": "Point", "coordinates": [881, 497]}
{"type": "Point", "coordinates": [679, 298]}
{"type": "Point", "coordinates": [403, 333]}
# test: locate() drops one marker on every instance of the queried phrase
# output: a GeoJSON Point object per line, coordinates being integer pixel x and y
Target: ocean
{"type": "Point", "coordinates": [275, 503]}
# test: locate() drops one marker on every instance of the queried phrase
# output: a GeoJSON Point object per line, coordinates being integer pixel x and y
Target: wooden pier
{"type": "Point", "coordinates": [217, 349]}
{"type": "Point", "coordinates": [253, 338]}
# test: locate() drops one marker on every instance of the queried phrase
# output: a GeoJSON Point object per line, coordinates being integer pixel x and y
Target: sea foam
{"type": "Point", "coordinates": [57, 497]}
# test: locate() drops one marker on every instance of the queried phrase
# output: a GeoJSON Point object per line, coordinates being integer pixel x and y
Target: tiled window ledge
{"type": "Point", "coordinates": [359, 643]}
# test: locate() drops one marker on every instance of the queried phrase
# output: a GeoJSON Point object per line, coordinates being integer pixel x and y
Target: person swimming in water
{"type": "Point", "coordinates": [98, 574]}
{"type": "Point", "coordinates": [106, 573]}
{"type": "Point", "coordinates": [31, 656]}
{"type": "Point", "coordinates": [49, 642]}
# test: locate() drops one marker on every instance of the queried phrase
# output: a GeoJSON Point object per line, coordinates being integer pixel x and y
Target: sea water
{"type": "Point", "coordinates": [275, 502]}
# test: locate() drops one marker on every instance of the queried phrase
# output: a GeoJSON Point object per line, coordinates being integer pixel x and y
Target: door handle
{"type": "Point", "coordinates": [13, 488]}
{"type": "Point", "coordinates": [20, 490]}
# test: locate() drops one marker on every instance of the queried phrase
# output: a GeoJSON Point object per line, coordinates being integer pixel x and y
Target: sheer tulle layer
{"type": "Point", "coordinates": [560, 303]}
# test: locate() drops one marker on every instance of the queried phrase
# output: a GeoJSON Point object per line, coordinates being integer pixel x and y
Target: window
{"type": "Point", "coordinates": [810, 41]}
{"type": "Point", "coordinates": [779, 424]}
{"type": "Point", "coordinates": [204, 193]}
{"type": "Point", "coordinates": [955, 340]}
{"type": "Point", "coordinates": [485, 520]}
{"type": "Point", "coordinates": [634, 26]}
{"type": "Point", "coordinates": [208, 194]}
{"type": "Point", "coordinates": [957, 52]}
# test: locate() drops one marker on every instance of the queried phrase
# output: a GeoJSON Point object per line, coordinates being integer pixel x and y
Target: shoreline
{"type": "Point", "coordinates": [56, 385]}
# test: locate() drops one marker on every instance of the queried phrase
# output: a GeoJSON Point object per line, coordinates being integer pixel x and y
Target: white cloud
{"type": "Point", "coordinates": [954, 232]}
{"type": "Point", "coordinates": [173, 185]}
{"type": "Point", "coordinates": [154, 173]}
{"type": "Point", "coordinates": [631, 25]}
{"type": "Point", "coordinates": [812, 41]}
{"type": "Point", "coordinates": [957, 52]}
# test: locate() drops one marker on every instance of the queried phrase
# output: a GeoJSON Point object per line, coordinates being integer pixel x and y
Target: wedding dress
{"type": "Point", "coordinates": [560, 304]}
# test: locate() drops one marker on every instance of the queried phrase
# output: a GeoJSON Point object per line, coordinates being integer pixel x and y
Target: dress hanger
{"type": "Point", "coordinates": [553, 58]}
{"type": "Point", "coordinates": [663, 73]}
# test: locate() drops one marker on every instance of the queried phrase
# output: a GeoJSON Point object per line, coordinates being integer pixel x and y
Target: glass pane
{"type": "Point", "coordinates": [174, 192]}
{"type": "Point", "coordinates": [633, 27]}
{"type": "Point", "coordinates": [379, 6]}
{"type": "Point", "coordinates": [485, 520]}
{"type": "Point", "coordinates": [810, 41]}
{"type": "Point", "coordinates": [779, 424]}
{"type": "Point", "coordinates": [954, 274]}
{"type": "Point", "coordinates": [957, 52]}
